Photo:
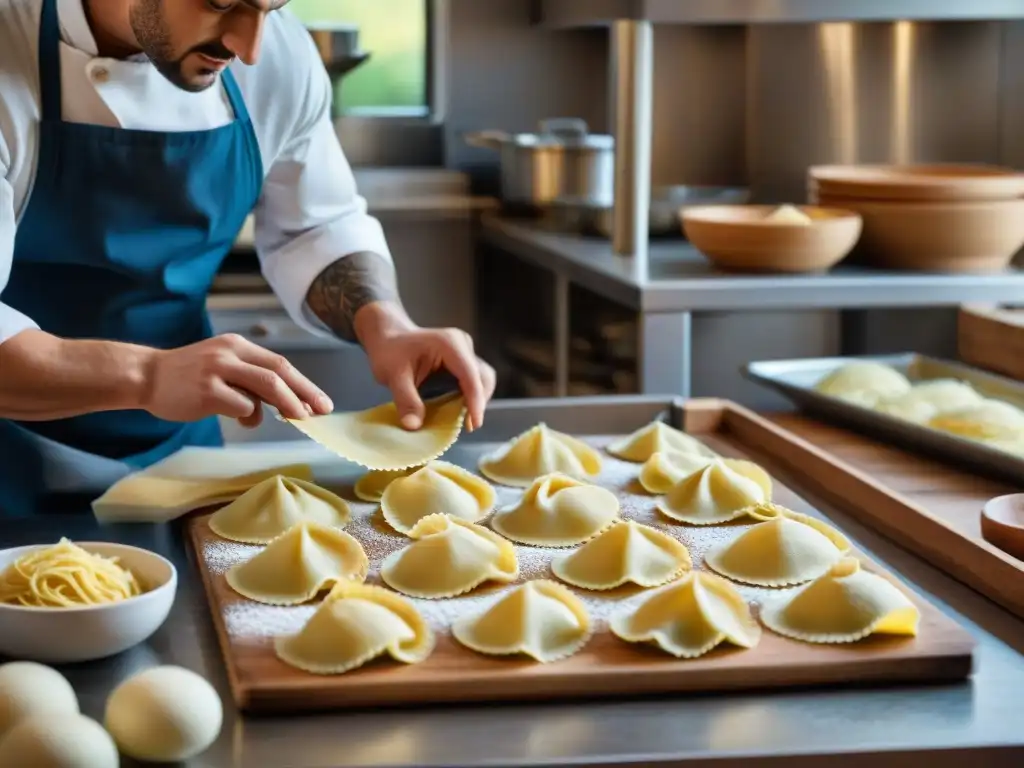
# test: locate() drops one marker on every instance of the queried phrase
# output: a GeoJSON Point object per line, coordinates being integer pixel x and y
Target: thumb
{"type": "Point", "coordinates": [407, 400]}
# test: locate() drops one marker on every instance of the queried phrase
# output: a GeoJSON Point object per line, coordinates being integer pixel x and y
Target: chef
{"type": "Point", "coordinates": [136, 136]}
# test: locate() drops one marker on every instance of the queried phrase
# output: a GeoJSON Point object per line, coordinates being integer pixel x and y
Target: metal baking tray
{"type": "Point", "coordinates": [795, 379]}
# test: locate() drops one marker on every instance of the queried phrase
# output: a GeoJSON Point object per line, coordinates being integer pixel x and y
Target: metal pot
{"type": "Point", "coordinates": [562, 160]}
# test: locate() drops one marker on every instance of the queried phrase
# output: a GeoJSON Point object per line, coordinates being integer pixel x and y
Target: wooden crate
{"type": "Point", "coordinates": [992, 338]}
{"type": "Point", "coordinates": [606, 667]}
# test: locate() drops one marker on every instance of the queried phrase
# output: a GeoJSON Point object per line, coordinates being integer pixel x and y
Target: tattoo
{"type": "Point", "coordinates": [348, 285]}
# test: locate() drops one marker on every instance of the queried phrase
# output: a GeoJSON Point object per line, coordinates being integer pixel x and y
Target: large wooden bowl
{"type": "Point", "coordinates": [739, 238]}
{"type": "Point", "coordinates": [917, 183]}
{"type": "Point", "coordinates": [938, 237]}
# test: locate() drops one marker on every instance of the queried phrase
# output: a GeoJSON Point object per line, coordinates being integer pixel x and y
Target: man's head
{"type": "Point", "coordinates": [191, 41]}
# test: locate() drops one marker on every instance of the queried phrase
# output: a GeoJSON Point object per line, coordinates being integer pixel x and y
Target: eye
{"type": "Point", "coordinates": [220, 7]}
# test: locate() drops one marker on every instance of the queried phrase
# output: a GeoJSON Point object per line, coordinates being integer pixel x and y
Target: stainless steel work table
{"type": "Point", "coordinates": [676, 280]}
{"type": "Point", "coordinates": [978, 722]}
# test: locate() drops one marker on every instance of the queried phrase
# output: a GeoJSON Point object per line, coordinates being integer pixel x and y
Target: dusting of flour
{"type": "Point", "coordinates": [245, 619]}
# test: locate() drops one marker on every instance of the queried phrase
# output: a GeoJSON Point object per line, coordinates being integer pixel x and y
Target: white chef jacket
{"type": "Point", "coordinates": [309, 213]}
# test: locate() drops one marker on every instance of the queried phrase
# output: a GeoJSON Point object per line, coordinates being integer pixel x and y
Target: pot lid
{"type": "Point", "coordinates": [564, 132]}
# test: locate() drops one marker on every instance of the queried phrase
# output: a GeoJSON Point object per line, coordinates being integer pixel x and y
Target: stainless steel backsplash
{"type": "Point", "coordinates": [855, 93]}
{"type": "Point", "coordinates": [732, 103]}
{"type": "Point", "coordinates": [757, 105]}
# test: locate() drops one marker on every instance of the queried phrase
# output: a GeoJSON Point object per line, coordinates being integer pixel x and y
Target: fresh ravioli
{"type": "Point", "coordinates": [376, 439]}
{"type": "Point", "coordinates": [538, 452]}
{"type": "Point", "coordinates": [784, 550]}
{"type": "Point", "coordinates": [300, 563]}
{"type": "Point", "coordinates": [355, 624]}
{"type": "Point", "coordinates": [449, 557]}
{"type": "Point", "coordinates": [626, 553]}
{"type": "Point", "coordinates": [657, 437]}
{"type": "Point", "coordinates": [438, 488]}
{"type": "Point", "coordinates": [557, 511]}
{"type": "Point", "coordinates": [716, 494]}
{"type": "Point", "coordinates": [690, 617]}
{"type": "Point", "coordinates": [666, 468]}
{"type": "Point", "coordinates": [844, 605]}
{"type": "Point", "coordinates": [270, 508]}
{"type": "Point", "coordinates": [540, 619]}
{"type": "Point", "coordinates": [371, 486]}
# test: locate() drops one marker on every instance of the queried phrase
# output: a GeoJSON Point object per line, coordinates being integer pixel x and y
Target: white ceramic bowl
{"type": "Point", "coordinates": [67, 635]}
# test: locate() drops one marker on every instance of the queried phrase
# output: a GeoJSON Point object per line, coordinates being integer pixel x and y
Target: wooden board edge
{"type": "Point", "coordinates": [951, 667]}
{"type": "Point", "coordinates": [239, 693]}
{"type": "Point", "coordinates": [702, 414]}
{"type": "Point", "coordinates": [973, 562]}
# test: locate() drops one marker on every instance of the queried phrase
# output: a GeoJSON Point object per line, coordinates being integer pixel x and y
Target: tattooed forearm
{"type": "Point", "coordinates": [348, 285]}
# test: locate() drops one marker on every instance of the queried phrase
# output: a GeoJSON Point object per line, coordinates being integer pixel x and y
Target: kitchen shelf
{"type": "Point", "coordinates": [678, 278]}
{"type": "Point", "coordinates": [571, 14]}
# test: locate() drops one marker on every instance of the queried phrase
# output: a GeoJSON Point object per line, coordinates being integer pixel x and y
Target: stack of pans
{"type": "Point", "coordinates": [930, 218]}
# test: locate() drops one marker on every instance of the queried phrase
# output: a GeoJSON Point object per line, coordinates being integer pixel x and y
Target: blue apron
{"type": "Point", "coordinates": [121, 240]}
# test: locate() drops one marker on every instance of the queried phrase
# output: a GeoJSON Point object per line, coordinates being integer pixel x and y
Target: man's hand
{"type": "Point", "coordinates": [402, 355]}
{"type": "Point", "coordinates": [357, 298]}
{"type": "Point", "coordinates": [227, 376]}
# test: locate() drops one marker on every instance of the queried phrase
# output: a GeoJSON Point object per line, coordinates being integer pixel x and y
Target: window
{"type": "Point", "coordinates": [396, 80]}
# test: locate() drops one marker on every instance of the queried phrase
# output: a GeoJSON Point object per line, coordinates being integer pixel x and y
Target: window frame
{"type": "Point", "coordinates": [376, 136]}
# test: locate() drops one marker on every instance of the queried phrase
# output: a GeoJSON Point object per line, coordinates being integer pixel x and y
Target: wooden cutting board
{"type": "Point", "coordinates": [606, 667]}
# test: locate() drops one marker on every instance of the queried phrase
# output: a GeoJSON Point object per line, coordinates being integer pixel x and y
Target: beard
{"type": "Point", "coordinates": [153, 34]}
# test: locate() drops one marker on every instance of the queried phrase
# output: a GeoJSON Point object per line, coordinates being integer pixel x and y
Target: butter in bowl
{"type": "Point", "coordinates": [765, 238]}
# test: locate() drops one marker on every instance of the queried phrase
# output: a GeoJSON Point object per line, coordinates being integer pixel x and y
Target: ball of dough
{"type": "Point", "coordinates": [28, 689]}
{"type": "Point", "coordinates": [164, 714]}
{"type": "Point", "coordinates": [53, 740]}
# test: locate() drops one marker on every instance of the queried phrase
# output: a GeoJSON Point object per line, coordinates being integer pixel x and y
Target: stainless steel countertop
{"type": "Point", "coordinates": [680, 279]}
{"type": "Point", "coordinates": [798, 729]}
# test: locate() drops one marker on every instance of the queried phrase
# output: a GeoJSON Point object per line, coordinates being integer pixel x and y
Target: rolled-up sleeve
{"type": "Point", "coordinates": [12, 322]}
{"type": "Point", "coordinates": [310, 213]}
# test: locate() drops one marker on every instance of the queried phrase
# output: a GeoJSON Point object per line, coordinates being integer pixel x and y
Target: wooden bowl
{"type": "Point", "coordinates": [738, 238]}
{"type": "Point", "coordinates": [938, 237]}
{"type": "Point", "coordinates": [917, 183]}
{"type": "Point", "coordinates": [1002, 523]}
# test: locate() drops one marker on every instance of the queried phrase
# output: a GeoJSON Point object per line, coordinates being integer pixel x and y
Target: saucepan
{"type": "Point", "coordinates": [563, 159]}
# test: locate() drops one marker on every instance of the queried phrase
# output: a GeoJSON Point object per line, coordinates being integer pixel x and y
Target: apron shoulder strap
{"type": "Point", "coordinates": [49, 61]}
{"type": "Point", "coordinates": [235, 96]}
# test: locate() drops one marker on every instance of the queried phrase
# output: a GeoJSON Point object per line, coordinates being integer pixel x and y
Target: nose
{"type": "Point", "coordinates": [244, 36]}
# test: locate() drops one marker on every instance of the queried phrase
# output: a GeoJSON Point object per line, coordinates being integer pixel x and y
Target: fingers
{"type": "Point", "coordinates": [228, 401]}
{"type": "Point", "coordinates": [267, 386]}
{"type": "Point", "coordinates": [254, 420]}
{"type": "Point", "coordinates": [304, 389]}
{"type": "Point", "coordinates": [459, 359]}
{"type": "Point", "coordinates": [407, 399]}
{"type": "Point", "coordinates": [489, 379]}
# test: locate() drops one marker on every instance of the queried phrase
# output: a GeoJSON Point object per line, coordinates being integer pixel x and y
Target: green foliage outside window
{"type": "Point", "coordinates": [394, 32]}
